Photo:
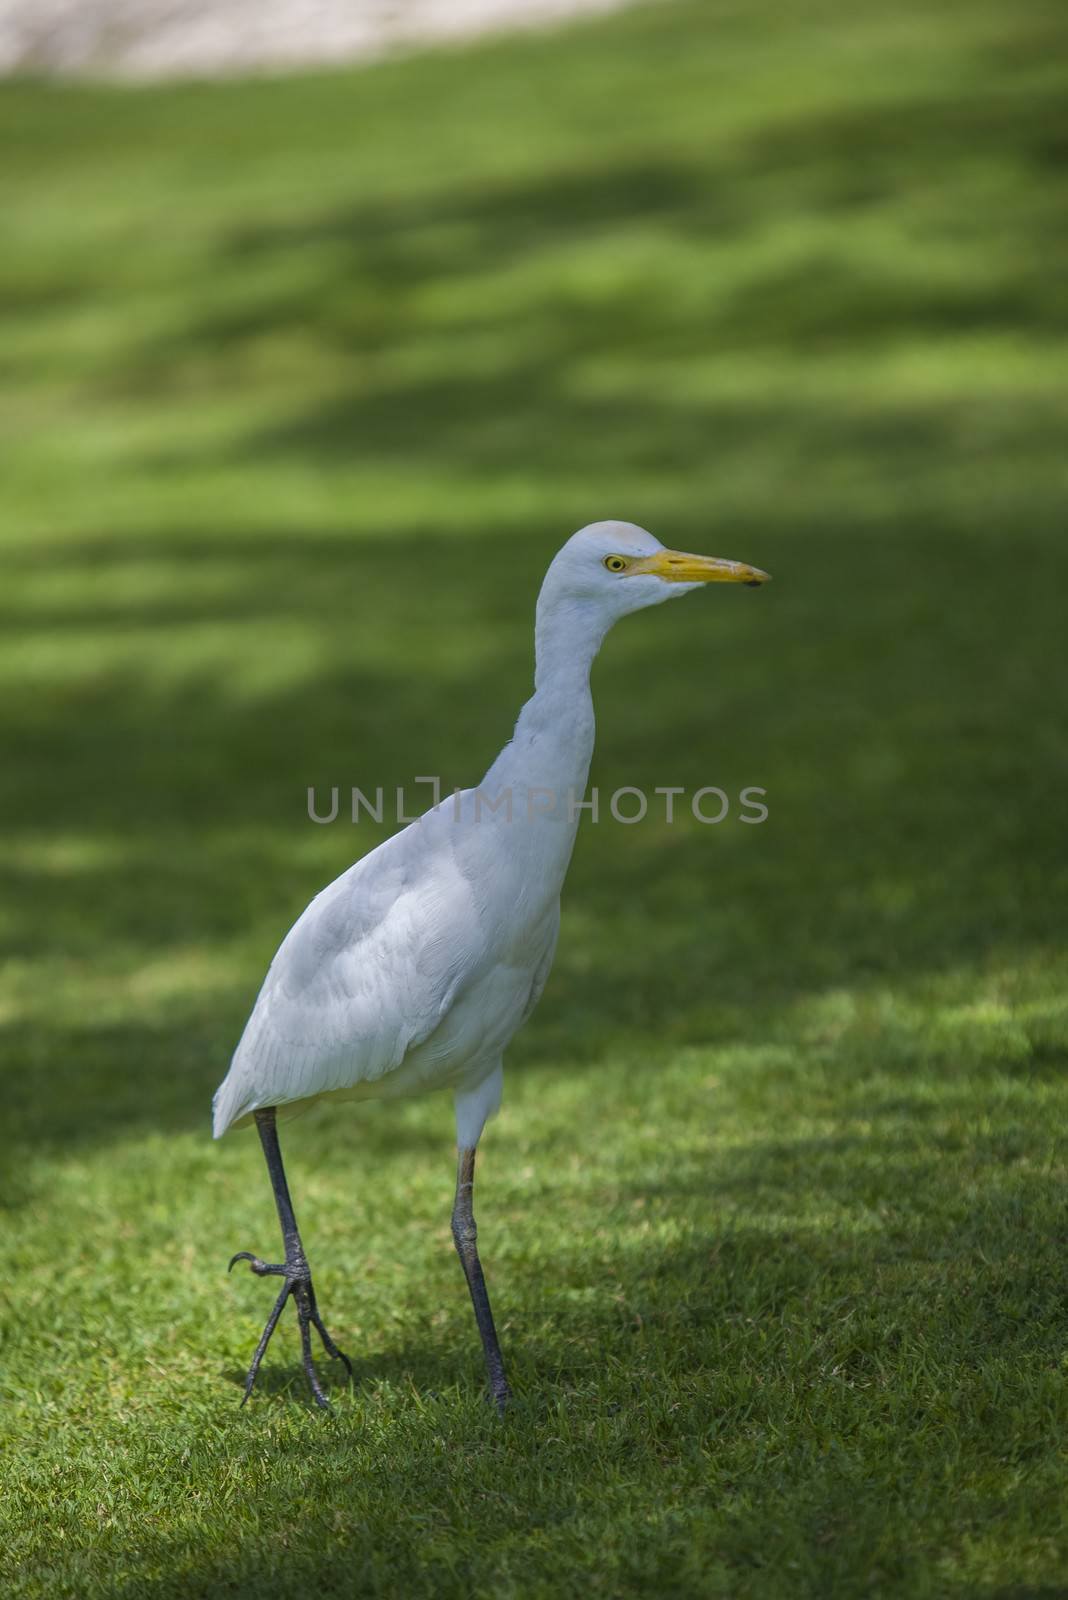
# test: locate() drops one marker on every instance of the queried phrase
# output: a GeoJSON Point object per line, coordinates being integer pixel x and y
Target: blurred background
{"type": "Point", "coordinates": [306, 375]}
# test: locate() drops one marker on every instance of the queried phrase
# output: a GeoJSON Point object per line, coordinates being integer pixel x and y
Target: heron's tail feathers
{"type": "Point", "coordinates": [228, 1105]}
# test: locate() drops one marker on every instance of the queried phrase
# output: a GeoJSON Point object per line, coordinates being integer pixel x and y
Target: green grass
{"type": "Point", "coordinates": [303, 384]}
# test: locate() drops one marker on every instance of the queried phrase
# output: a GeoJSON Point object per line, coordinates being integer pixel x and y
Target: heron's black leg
{"type": "Point", "coordinates": [294, 1270]}
{"type": "Point", "coordinates": [465, 1233]}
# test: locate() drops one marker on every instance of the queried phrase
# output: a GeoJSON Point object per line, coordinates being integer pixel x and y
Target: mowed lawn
{"type": "Point", "coordinates": [303, 384]}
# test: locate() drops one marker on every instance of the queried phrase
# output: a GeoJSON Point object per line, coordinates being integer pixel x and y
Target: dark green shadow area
{"type": "Point", "coordinates": [904, 840]}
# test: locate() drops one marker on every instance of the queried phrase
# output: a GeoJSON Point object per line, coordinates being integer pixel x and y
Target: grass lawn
{"type": "Point", "coordinates": [303, 383]}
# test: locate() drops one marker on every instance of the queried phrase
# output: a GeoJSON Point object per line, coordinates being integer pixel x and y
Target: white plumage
{"type": "Point", "coordinates": [413, 970]}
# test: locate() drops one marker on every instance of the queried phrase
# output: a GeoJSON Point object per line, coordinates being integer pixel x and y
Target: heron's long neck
{"type": "Point", "coordinates": [553, 739]}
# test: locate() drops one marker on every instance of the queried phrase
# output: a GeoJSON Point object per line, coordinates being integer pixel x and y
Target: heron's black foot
{"type": "Point", "coordinates": [298, 1284]}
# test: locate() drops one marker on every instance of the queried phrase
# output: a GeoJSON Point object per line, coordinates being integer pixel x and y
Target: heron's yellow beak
{"type": "Point", "coordinates": [676, 566]}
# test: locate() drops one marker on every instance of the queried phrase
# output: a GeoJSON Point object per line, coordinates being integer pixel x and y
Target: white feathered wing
{"type": "Point", "coordinates": [409, 961]}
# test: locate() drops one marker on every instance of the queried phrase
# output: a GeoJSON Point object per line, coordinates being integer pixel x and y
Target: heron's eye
{"type": "Point", "coordinates": [615, 563]}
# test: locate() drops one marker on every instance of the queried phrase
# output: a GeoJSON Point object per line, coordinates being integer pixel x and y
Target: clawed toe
{"type": "Point", "coordinates": [262, 1269]}
{"type": "Point", "coordinates": [298, 1284]}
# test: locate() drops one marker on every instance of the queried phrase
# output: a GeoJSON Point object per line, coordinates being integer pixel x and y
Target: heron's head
{"type": "Point", "coordinates": [614, 567]}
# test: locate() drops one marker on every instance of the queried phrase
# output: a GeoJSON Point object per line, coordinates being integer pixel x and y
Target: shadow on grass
{"type": "Point", "coordinates": [351, 275]}
{"type": "Point", "coordinates": [422, 1370]}
{"type": "Point", "coordinates": [779, 1345]}
{"type": "Point", "coordinates": [291, 1383]}
{"type": "Point", "coordinates": [819, 1259]}
{"type": "Point", "coordinates": [896, 698]}
{"type": "Point", "coordinates": [905, 838]}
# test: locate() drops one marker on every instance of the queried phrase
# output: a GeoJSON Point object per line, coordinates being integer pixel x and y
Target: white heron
{"type": "Point", "coordinates": [414, 968]}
